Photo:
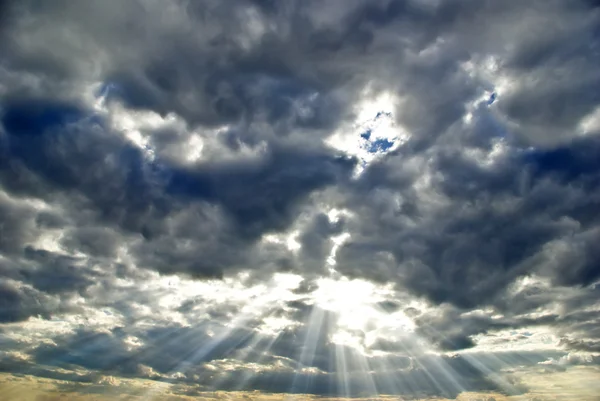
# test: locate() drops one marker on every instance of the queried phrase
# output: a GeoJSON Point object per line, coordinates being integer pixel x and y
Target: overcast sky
{"type": "Point", "coordinates": [300, 198]}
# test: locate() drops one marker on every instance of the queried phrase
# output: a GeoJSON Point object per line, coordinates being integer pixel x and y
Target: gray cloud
{"type": "Point", "coordinates": [198, 144]}
{"type": "Point", "coordinates": [19, 304]}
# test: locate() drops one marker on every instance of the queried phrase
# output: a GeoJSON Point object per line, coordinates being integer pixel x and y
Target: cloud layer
{"type": "Point", "coordinates": [341, 198]}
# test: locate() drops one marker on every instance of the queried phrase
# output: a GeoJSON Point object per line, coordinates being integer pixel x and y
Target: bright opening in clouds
{"type": "Point", "coordinates": [373, 133]}
{"type": "Point", "coordinates": [300, 199]}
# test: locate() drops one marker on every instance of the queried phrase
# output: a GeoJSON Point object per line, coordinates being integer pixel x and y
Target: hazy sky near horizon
{"type": "Point", "coordinates": [260, 199]}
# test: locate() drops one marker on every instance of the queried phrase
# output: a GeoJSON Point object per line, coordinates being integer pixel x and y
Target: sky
{"type": "Point", "coordinates": [300, 200]}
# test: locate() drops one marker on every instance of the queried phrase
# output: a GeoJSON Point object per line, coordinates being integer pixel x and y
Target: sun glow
{"type": "Point", "coordinates": [355, 303]}
{"type": "Point", "coordinates": [342, 295]}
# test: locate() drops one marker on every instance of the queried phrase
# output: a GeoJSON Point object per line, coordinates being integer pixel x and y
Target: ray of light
{"type": "Point", "coordinates": [445, 376]}
{"type": "Point", "coordinates": [307, 355]}
{"type": "Point", "coordinates": [494, 376]}
{"type": "Point", "coordinates": [343, 379]}
{"type": "Point", "coordinates": [450, 375]}
{"type": "Point", "coordinates": [195, 355]}
{"type": "Point", "coordinates": [391, 376]}
{"type": "Point", "coordinates": [85, 344]}
{"type": "Point", "coordinates": [224, 377]}
{"type": "Point", "coordinates": [440, 373]}
{"type": "Point", "coordinates": [432, 379]}
{"type": "Point", "coordinates": [365, 372]}
{"type": "Point", "coordinates": [512, 359]}
{"type": "Point", "coordinates": [167, 339]}
{"type": "Point", "coordinates": [249, 375]}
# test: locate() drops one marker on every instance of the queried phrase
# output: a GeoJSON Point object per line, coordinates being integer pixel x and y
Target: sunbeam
{"type": "Point", "coordinates": [312, 337]}
{"type": "Point", "coordinates": [190, 359]}
{"type": "Point", "coordinates": [343, 378]}
{"type": "Point", "coordinates": [243, 382]}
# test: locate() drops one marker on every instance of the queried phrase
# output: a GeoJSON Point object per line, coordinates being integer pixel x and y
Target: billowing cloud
{"type": "Point", "coordinates": [334, 198]}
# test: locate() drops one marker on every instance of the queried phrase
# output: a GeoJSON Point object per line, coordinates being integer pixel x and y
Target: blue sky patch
{"type": "Point", "coordinates": [366, 135]}
{"type": "Point", "coordinates": [379, 145]}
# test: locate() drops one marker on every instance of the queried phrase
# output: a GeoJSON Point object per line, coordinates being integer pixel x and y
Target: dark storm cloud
{"type": "Point", "coordinates": [451, 330]}
{"type": "Point", "coordinates": [493, 225]}
{"type": "Point", "coordinates": [224, 76]}
{"type": "Point", "coordinates": [17, 224]}
{"type": "Point", "coordinates": [93, 350]}
{"type": "Point", "coordinates": [123, 188]}
{"type": "Point", "coordinates": [496, 183]}
{"type": "Point", "coordinates": [70, 151]}
{"type": "Point", "coordinates": [18, 304]}
{"type": "Point", "coordinates": [587, 346]}
{"type": "Point", "coordinates": [316, 243]}
{"type": "Point", "coordinates": [42, 284]}
{"type": "Point", "coordinates": [55, 273]}
{"type": "Point", "coordinates": [262, 197]}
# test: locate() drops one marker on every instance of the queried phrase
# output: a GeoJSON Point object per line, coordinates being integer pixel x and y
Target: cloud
{"type": "Point", "coordinates": [19, 304]}
{"type": "Point", "coordinates": [343, 198]}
